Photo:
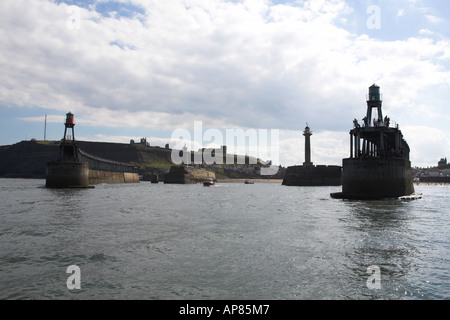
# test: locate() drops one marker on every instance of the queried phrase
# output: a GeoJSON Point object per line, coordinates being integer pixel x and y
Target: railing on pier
{"type": "Point", "coordinates": [96, 163]}
{"type": "Point", "coordinates": [375, 124]}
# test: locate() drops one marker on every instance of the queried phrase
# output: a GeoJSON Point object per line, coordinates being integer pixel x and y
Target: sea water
{"type": "Point", "coordinates": [231, 241]}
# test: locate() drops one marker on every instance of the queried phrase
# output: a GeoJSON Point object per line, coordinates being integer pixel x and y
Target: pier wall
{"type": "Point", "coordinates": [99, 164]}
{"type": "Point", "coordinates": [435, 179]}
{"type": "Point", "coordinates": [97, 176]}
{"type": "Point", "coordinates": [377, 177]}
{"type": "Point", "coordinates": [310, 175]}
{"type": "Point", "coordinates": [106, 171]}
{"type": "Point", "coordinates": [67, 174]}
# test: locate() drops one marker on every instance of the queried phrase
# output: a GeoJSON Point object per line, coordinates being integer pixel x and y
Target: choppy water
{"type": "Point", "coordinates": [232, 241]}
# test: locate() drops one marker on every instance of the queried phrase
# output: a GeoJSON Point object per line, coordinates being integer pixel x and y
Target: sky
{"type": "Point", "coordinates": [152, 68]}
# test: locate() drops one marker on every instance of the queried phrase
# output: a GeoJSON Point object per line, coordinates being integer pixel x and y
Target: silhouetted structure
{"type": "Point", "coordinates": [310, 175]}
{"type": "Point", "coordinates": [307, 133]}
{"type": "Point", "coordinates": [379, 165]}
{"type": "Point", "coordinates": [67, 171]}
{"type": "Point", "coordinates": [76, 169]}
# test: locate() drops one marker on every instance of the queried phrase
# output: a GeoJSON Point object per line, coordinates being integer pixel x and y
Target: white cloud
{"type": "Point", "coordinates": [426, 32]}
{"type": "Point", "coordinates": [230, 64]}
{"type": "Point", "coordinates": [433, 19]}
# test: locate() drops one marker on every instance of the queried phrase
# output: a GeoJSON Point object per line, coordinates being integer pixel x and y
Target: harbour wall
{"type": "Point", "coordinates": [377, 177]}
{"type": "Point", "coordinates": [97, 177]}
{"type": "Point", "coordinates": [67, 174]}
{"type": "Point", "coordinates": [310, 175]}
{"type": "Point", "coordinates": [434, 179]}
{"type": "Point", "coordinates": [107, 171]}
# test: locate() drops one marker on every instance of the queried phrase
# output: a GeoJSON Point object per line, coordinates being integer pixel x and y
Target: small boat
{"type": "Point", "coordinates": [248, 182]}
{"type": "Point", "coordinates": [411, 197]}
{"type": "Point", "coordinates": [209, 182]}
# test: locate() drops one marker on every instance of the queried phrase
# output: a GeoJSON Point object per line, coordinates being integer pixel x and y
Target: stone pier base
{"type": "Point", "coordinates": [67, 175]}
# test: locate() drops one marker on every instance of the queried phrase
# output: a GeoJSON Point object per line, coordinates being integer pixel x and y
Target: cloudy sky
{"type": "Point", "coordinates": [145, 68]}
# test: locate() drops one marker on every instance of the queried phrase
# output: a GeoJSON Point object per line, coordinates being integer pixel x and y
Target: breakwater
{"type": "Point", "coordinates": [70, 174]}
{"type": "Point", "coordinates": [377, 178]}
{"type": "Point", "coordinates": [107, 171]}
{"type": "Point", "coordinates": [310, 175]}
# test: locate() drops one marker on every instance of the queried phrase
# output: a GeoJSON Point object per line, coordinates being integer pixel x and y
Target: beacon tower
{"type": "Point", "coordinates": [307, 133]}
{"type": "Point", "coordinates": [379, 165]}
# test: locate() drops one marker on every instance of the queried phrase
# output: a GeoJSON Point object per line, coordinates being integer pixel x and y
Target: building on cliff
{"type": "Point", "coordinates": [309, 174]}
{"type": "Point", "coordinates": [442, 163]}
